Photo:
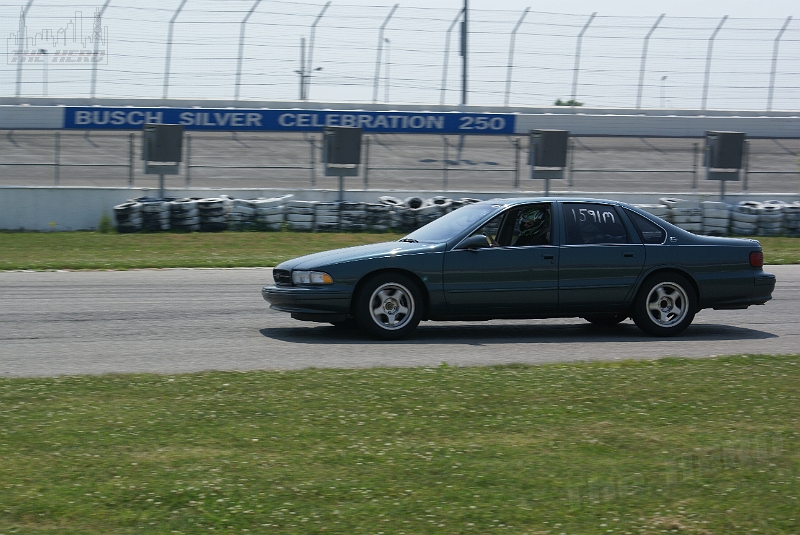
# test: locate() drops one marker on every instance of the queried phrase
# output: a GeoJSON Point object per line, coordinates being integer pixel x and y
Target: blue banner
{"type": "Point", "coordinates": [235, 119]}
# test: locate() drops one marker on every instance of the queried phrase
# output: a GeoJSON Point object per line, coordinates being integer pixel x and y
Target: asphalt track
{"type": "Point", "coordinates": [190, 320]}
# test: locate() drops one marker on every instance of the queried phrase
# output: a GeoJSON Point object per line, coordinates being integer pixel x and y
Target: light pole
{"type": "Point", "coordinates": [663, 78]}
{"type": "Point", "coordinates": [43, 52]}
{"type": "Point", "coordinates": [388, 64]}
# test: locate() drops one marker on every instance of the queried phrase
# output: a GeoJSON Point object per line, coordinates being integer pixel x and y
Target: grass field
{"type": "Point", "coordinates": [678, 446]}
{"type": "Point", "coordinates": [94, 250]}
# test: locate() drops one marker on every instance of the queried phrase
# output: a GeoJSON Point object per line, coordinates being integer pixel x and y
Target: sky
{"type": "Point", "coordinates": [418, 62]}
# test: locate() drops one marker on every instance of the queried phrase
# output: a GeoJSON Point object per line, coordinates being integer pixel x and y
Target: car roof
{"type": "Point", "coordinates": [512, 201]}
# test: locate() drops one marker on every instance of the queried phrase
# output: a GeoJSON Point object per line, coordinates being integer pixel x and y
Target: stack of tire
{"type": "Point", "coordinates": [744, 218]}
{"type": "Point", "coordinates": [327, 216]}
{"type": "Point", "coordinates": [687, 215]}
{"type": "Point", "coordinates": [299, 215]}
{"type": "Point", "coordinates": [791, 218]}
{"type": "Point", "coordinates": [184, 215]}
{"type": "Point", "coordinates": [269, 213]}
{"type": "Point", "coordinates": [212, 214]}
{"type": "Point", "coordinates": [770, 220]}
{"type": "Point", "coordinates": [716, 218]}
{"type": "Point", "coordinates": [353, 216]}
{"type": "Point", "coordinates": [128, 216]}
{"type": "Point", "coordinates": [155, 213]}
{"type": "Point", "coordinates": [378, 216]}
{"type": "Point", "coordinates": [242, 215]}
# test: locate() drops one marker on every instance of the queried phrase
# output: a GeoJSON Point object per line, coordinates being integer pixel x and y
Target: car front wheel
{"type": "Point", "coordinates": [389, 306]}
{"type": "Point", "coordinates": [665, 305]}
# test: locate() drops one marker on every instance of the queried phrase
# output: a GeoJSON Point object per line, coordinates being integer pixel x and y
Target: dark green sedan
{"type": "Point", "coordinates": [600, 260]}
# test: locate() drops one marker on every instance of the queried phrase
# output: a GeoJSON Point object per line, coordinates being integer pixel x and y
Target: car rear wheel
{"type": "Point", "coordinates": [665, 305]}
{"type": "Point", "coordinates": [389, 306]}
{"type": "Point", "coordinates": [606, 320]}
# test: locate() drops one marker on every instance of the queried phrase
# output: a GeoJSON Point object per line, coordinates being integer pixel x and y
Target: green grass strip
{"type": "Point", "coordinates": [704, 446]}
{"type": "Point", "coordinates": [94, 250]}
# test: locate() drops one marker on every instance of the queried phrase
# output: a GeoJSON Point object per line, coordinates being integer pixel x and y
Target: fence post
{"type": "Point", "coordinates": [169, 48]}
{"type": "Point", "coordinates": [775, 63]}
{"type": "Point", "coordinates": [644, 60]}
{"type": "Point", "coordinates": [570, 182]}
{"type": "Point", "coordinates": [310, 68]}
{"type": "Point", "coordinates": [511, 53]}
{"type": "Point", "coordinates": [446, 55]}
{"type": "Point", "coordinates": [188, 159]}
{"type": "Point", "coordinates": [241, 49]}
{"type": "Point", "coordinates": [708, 61]}
{"type": "Point", "coordinates": [380, 49]}
{"type": "Point", "coordinates": [130, 159]}
{"type": "Point", "coordinates": [576, 69]}
{"type": "Point", "coordinates": [97, 35]}
{"type": "Point", "coordinates": [746, 166]}
{"type": "Point", "coordinates": [57, 167]}
{"type": "Point", "coordinates": [516, 164]}
{"type": "Point", "coordinates": [366, 163]}
{"type": "Point", "coordinates": [445, 161]}
{"type": "Point", "coordinates": [313, 163]}
{"type": "Point", "coordinates": [694, 165]}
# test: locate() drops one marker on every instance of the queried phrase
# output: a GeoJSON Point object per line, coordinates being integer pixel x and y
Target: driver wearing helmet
{"type": "Point", "coordinates": [534, 227]}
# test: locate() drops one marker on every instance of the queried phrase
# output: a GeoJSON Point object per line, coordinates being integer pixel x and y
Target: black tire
{"type": "Point", "coordinates": [389, 306]}
{"type": "Point", "coordinates": [665, 305]}
{"type": "Point", "coordinates": [606, 320]}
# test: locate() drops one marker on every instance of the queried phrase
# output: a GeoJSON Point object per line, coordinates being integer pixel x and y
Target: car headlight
{"type": "Point", "coordinates": [311, 277]}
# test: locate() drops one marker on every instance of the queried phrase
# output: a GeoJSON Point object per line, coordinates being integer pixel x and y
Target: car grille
{"type": "Point", "coordinates": [282, 277]}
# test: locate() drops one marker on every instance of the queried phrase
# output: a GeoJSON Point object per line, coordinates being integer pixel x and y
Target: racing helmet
{"type": "Point", "coordinates": [534, 222]}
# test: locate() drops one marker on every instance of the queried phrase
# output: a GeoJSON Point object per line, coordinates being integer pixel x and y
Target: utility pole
{"type": "Point", "coordinates": [464, 40]}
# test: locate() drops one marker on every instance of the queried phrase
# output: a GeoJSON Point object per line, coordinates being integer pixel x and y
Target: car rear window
{"type": "Point", "coordinates": [590, 223]}
{"type": "Point", "coordinates": [648, 231]}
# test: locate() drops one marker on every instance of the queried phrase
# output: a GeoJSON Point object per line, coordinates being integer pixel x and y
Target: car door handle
{"type": "Point", "coordinates": [627, 255]}
{"type": "Point", "coordinates": [548, 256]}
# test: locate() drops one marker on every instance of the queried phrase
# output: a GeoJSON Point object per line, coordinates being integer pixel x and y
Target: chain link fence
{"type": "Point", "coordinates": [335, 52]}
{"type": "Point", "coordinates": [409, 162]}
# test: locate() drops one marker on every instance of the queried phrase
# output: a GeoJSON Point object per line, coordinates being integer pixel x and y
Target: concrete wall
{"type": "Point", "coordinates": [65, 208]}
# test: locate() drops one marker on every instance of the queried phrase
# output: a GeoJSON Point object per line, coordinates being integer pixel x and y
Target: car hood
{"type": "Point", "coordinates": [360, 252]}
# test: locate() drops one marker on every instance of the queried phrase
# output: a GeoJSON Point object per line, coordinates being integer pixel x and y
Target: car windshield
{"type": "Point", "coordinates": [452, 224]}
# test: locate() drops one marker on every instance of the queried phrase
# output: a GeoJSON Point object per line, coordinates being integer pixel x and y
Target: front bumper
{"type": "Point", "coordinates": [307, 300]}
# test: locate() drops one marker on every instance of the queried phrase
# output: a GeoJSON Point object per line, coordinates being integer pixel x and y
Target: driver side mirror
{"type": "Point", "coordinates": [478, 241]}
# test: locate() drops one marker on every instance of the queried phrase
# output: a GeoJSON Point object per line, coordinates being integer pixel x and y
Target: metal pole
{"type": "Point", "coordinates": [378, 60]}
{"type": "Point", "coordinates": [188, 159]}
{"type": "Point", "coordinates": [241, 48]}
{"type": "Point", "coordinates": [97, 35]}
{"type": "Point", "coordinates": [464, 42]}
{"type": "Point", "coordinates": [130, 160]}
{"type": "Point", "coordinates": [169, 47]}
{"type": "Point", "coordinates": [708, 61]}
{"type": "Point", "coordinates": [313, 163]}
{"type": "Point", "coordinates": [511, 52]}
{"type": "Point", "coordinates": [57, 170]}
{"type": "Point", "coordinates": [447, 54]}
{"type": "Point", "coordinates": [366, 162]}
{"type": "Point", "coordinates": [302, 70]}
{"type": "Point", "coordinates": [746, 166]}
{"type": "Point", "coordinates": [775, 63]}
{"type": "Point", "coordinates": [445, 162]}
{"type": "Point", "coordinates": [21, 41]}
{"type": "Point", "coordinates": [571, 183]}
{"type": "Point", "coordinates": [387, 81]}
{"type": "Point", "coordinates": [43, 52]}
{"type": "Point", "coordinates": [309, 67]}
{"type": "Point", "coordinates": [516, 164]}
{"type": "Point", "coordinates": [694, 165]}
{"type": "Point", "coordinates": [578, 58]}
{"type": "Point", "coordinates": [644, 60]}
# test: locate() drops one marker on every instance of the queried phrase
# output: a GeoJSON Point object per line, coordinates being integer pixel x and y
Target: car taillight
{"type": "Point", "coordinates": [757, 259]}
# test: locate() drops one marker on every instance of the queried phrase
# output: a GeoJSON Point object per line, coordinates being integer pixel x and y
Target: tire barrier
{"type": "Point", "coordinates": [128, 216]}
{"type": "Point", "coordinates": [687, 215]}
{"type": "Point", "coordinates": [747, 218]}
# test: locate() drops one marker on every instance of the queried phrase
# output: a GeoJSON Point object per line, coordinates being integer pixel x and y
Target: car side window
{"type": "Point", "coordinates": [491, 230]}
{"type": "Point", "coordinates": [590, 223]}
{"type": "Point", "coordinates": [649, 231]}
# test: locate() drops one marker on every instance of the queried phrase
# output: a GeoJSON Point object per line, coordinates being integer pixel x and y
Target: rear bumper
{"type": "Point", "coordinates": [763, 286]}
{"type": "Point", "coordinates": [305, 301]}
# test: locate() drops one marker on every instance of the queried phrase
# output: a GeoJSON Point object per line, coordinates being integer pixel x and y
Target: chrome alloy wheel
{"type": "Point", "coordinates": [391, 306]}
{"type": "Point", "coordinates": [667, 304]}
